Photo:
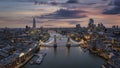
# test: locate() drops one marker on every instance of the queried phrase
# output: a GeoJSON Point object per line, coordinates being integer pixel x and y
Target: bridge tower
{"type": "Point", "coordinates": [55, 41]}
{"type": "Point", "coordinates": [68, 42]}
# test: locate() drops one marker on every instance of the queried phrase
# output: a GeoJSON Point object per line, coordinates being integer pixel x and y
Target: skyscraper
{"type": "Point", "coordinates": [91, 23]}
{"type": "Point", "coordinates": [34, 22]}
{"type": "Point", "coordinates": [78, 26]}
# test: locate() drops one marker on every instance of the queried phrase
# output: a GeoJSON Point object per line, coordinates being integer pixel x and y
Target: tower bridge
{"type": "Point", "coordinates": [55, 41]}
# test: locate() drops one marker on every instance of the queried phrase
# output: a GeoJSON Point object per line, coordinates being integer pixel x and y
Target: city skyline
{"type": "Point", "coordinates": [60, 33]}
{"type": "Point", "coordinates": [19, 14]}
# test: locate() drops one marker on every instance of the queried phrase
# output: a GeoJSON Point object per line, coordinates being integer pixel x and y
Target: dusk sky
{"type": "Point", "coordinates": [19, 13]}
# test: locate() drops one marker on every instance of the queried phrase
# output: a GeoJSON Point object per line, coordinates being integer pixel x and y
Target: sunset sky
{"type": "Point", "coordinates": [19, 13]}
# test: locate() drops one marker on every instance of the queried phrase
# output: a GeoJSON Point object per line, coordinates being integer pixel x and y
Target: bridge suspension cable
{"type": "Point", "coordinates": [47, 43]}
{"type": "Point", "coordinates": [74, 42]}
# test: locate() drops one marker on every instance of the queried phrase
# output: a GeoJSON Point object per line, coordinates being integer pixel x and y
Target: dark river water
{"type": "Point", "coordinates": [63, 57]}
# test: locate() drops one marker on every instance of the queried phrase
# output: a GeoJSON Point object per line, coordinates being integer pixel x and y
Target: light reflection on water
{"type": "Point", "coordinates": [73, 57]}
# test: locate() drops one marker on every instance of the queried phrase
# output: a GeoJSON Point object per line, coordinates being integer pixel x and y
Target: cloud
{"type": "Point", "coordinates": [115, 9]}
{"type": "Point", "coordinates": [72, 1]}
{"type": "Point", "coordinates": [65, 14]}
{"type": "Point", "coordinates": [116, 3]}
{"type": "Point", "coordinates": [74, 22]}
{"type": "Point", "coordinates": [48, 25]}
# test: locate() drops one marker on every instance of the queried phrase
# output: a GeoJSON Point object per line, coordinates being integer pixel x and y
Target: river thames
{"type": "Point", "coordinates": [64, 57]}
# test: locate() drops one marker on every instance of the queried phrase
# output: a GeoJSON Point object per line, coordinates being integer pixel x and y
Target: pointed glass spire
{"type": "Point", "coordinates": [34, 22]}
